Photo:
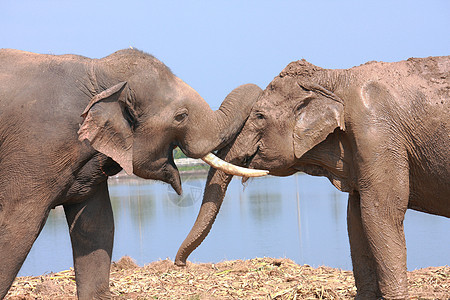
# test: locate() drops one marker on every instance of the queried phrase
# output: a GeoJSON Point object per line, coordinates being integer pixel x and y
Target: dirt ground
{"type": "Point", "coordinates": [259, 278]}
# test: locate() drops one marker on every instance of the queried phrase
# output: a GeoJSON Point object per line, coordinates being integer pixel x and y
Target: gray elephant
{"type": "Point", "coordinates": [378, 131]}
{"type": "Point", "coordinates": [134, 111]}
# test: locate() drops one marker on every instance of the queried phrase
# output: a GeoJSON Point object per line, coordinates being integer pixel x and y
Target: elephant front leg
{"type": "Point", "coordinates": [383, 207]}
{"type": "Point", "coordinates": [20, 225]}
{"type": "Point", "coordinates": [363, 261]}
{"type": "Point", "coordinates": [91, 228]}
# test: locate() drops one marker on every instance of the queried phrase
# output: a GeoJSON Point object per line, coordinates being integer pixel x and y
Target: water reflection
{"type": "Point", "coordinates": [300, 217]}
{"type": "Point", "coordinates": [131, 200]}
{"type": "Point", "coordinates": [192, 191]}
{"type": "Point", "coordinates": [264, 206]}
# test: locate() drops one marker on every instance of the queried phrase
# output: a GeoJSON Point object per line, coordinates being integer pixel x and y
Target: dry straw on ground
{"type": "Point", "coordinates": [259, 278]}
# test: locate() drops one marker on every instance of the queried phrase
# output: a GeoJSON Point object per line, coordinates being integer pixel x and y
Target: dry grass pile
{"type": "Point", "coordinates": [259, 278]}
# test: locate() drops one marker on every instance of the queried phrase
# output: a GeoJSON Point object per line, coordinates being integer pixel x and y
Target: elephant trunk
{"type": "Point", "coordinates": [234, 110]}
{"type": "Point", "coordinates": [222, 124]}
{"type": "Point", "coordinates": [213, 196]}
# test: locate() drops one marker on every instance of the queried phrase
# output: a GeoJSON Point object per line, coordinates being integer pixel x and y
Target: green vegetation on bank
{"type": "Point", "coordinates": [194, 168]}
{"type": "Point", "coordinates": [177, 154]}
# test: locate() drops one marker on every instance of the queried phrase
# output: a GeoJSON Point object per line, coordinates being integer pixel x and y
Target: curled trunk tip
{"type": "Point", "coordinates": [216, 186]}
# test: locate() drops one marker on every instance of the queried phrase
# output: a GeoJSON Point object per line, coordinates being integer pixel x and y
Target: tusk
{"type": "Point", "coordinates": [231, 169]}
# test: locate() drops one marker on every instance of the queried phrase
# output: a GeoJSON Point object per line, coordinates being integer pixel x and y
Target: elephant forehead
{"type": "Point", "coordinates": [285, 89]}
{"type": "Point", "coordinates": [274, 102]}
{"type": "Point", "coordinates": [182, 89]}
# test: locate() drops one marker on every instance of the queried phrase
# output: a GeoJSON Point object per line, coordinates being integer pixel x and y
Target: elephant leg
{"type": "Point", "coordinates": [91, 227]}
{"type": "Point", "coordinates": [363, 261]}
{"type": "Point", "coordinates": [383, 207]}
{"type": "Point", "coordinates": [20, 225]}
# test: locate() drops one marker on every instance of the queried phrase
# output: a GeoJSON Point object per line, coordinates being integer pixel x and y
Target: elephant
{"type": "Point", "coordinates": [378, 131]}
{"type": "Point", "coordinates": [68, 122]}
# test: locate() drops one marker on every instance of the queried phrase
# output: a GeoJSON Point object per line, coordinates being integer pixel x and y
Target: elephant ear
{"type": "Point", "coordinates": [106, 127]}
{"type": "Point", "coordinates": [317, 116]}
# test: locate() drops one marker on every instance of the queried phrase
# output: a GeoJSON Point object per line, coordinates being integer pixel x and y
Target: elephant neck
{"type": "Point", "coordinates": [103, 76]}
{"type": "Point", "coordinates": [92, 73]}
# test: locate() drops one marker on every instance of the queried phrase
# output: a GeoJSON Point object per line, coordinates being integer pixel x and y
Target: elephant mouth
{"type": "Point", "coordinates": [257, 160]}
{"type": "Point", "coordinates": [247, 162]}
{"type": "Point", "coordinates": [248, 159]}
{"type": "Point", "coordinates": [171, 170]}
{"type": "Point", "coordinates": [162, 168]}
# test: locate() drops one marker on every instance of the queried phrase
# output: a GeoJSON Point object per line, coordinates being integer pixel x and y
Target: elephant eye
{"type": "Point", "coordinates": [300, 107]}
{"type": "Point", "coordinates": [181, 116]}
{"type": "Point", "coordinates": [260, 116]}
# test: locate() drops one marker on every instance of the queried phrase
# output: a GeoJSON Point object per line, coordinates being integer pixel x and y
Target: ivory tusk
{"type": "Point", "coordinates": [231, 169]}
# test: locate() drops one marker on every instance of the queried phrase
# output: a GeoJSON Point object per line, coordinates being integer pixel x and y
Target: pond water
{"type": "Point", "coordinates": [298, 217]}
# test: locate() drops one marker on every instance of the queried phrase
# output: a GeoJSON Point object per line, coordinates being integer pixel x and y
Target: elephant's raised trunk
{"type": "Point", "coordinates": [216, 187]}
{"type": "Point", "coordinates": [234, 110]}
{"type": "Point", "coordinates": [223, 124]}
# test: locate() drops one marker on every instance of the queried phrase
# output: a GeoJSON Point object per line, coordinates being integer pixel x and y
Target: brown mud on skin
{"type": "Point", "coordinates": [258, 278]}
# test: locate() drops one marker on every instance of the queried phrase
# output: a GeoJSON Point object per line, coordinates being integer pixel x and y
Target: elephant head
{"type": "Point", "coordinates": [142, 111]}
{"type": "Point", "coordinates": [291, 117]}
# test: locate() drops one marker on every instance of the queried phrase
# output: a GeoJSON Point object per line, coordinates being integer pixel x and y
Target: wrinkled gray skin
{"type": "Point", "coordinates": [134, 112]}
{"type": "Point", "coordinates": [378, 131]}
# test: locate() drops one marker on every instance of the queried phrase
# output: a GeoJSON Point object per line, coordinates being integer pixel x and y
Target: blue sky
{"type": "Point", "coordinates": [217, 45]}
